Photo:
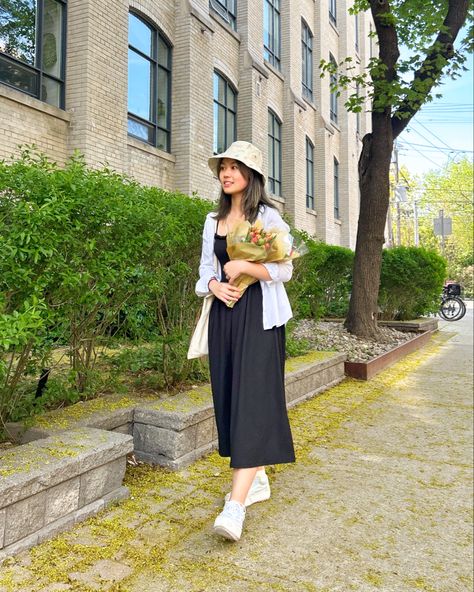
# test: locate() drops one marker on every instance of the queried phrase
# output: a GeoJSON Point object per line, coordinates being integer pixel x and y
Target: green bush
{"type": "Point", "coordinates": [321, 282]}
{"type": "Point", "coordinates": [87, 254]}
{"type": "Point", "coordinates": [411, 282]}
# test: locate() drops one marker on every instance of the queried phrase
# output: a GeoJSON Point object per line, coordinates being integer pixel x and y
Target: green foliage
{"type": "Point", "coordinates": [321, 281]}
{"type": "Point", "coordinates": [295, 347]}
{"type": "Point", "coordinates": [417, 24]}
{"type": "Point", "coordinates": [451, 190]}
{"type": "Point", "coordinates": [161, 363]}
{"type": "Point", "coordinates": [87, 254]}
{"type": "Point", "coordinates": [411, 282]}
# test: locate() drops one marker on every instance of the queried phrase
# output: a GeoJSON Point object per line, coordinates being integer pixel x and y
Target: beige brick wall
{"type": "Point", "coordinates": [95, 119]}
{"type": "Point", "coordinates": [26, 120]}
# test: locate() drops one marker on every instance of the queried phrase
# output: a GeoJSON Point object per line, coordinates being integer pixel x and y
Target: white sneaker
{"type": "Point", "coordinates": [230, 521]}
{"type": "Point", "coordinates": [259, 490]}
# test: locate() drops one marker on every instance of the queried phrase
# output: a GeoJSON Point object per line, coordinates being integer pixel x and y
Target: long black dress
{"type": "Point", "coordinates": [247, 378]}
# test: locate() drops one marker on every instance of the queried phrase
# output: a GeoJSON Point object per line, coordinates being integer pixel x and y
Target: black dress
{"type": "Point", "coordinates": [247, 378]}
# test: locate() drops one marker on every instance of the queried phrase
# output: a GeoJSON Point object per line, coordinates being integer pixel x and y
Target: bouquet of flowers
{"type": "Point", "coordinates": [251, 242]}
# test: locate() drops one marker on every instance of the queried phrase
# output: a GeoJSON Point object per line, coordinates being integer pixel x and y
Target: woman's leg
{"type": "Point", "coordinates": [241, 481]}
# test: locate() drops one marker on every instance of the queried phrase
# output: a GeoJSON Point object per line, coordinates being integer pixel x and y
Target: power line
{"type": "Point", "coordinates": [433, 134]}
{"type": "Point", "coordinates": [432, 161]}
{"type": "Point", "coordinates": [431, 147]}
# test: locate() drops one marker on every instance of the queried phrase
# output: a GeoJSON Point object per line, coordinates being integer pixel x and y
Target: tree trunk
{"type": "Point", "coordinates": [374, 167]}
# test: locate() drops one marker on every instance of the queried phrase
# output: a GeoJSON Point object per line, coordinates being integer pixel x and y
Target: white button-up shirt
{"type": "Point", "coordinates": [275, 303]}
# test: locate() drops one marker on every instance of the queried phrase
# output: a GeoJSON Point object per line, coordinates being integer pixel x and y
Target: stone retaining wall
{"type": "Point", "coordinates": [48, 485]}
{"type": "Point", "coordinates": [73, 460]}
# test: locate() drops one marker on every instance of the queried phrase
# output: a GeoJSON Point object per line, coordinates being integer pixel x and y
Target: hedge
{"type": "Point", "coordinates": [87, 254]}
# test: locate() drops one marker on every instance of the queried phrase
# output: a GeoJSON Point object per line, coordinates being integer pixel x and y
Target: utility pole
{"type": "Point", "coordinates": [415, 219]}
{"type": "Point", "coordinates": [441, 218]}
{"type": "Point", "coordinates": [397, 201]}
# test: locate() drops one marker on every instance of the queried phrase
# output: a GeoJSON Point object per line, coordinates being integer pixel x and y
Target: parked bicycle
{"type": "Point", "coordinates": [452, 307]}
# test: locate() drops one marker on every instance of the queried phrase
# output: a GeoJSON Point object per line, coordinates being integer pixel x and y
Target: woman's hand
{"type": "Point", "coordinates": [234, 268]}
{"type": "Point", "coordinates": [224, 291]}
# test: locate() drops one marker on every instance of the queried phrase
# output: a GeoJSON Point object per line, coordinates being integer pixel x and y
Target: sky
{"type": "Point", "coordinates": [441, 129]}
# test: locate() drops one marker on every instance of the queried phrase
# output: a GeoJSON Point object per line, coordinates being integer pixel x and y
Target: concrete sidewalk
{"type": "Point", "coordinates": [379, 500]}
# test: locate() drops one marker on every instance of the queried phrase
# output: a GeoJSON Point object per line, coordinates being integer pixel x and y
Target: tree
{"type": "Point", "coordinates": [450, 190]}
{"type": "Point", "coordinates": [17, 29]}
{"type": "Point", "coordinates": [428, 30]}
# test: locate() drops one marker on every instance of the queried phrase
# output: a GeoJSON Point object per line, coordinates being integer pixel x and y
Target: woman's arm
{"type": "Point", "coordinates": [237, 267]}
{"type": "Point", "coordinates": [207, 270]}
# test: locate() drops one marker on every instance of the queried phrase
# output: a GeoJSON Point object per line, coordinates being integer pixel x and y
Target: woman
{"type": "Point", "coordinates": [247, 341]}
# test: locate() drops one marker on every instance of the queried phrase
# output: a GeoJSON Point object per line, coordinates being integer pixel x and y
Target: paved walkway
{"type": "Point", "coordinates": [379, 500]}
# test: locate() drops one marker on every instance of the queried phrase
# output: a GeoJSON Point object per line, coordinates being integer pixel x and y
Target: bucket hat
{"type": "Point", "coordinates": [244, 152]}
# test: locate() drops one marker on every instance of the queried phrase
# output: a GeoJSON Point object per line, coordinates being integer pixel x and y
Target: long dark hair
{"type": "Point", "coordinates": [254, 195]}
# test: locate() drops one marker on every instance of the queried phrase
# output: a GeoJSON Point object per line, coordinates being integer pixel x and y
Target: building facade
{"type": "Point", "coordinates": [154, 88]}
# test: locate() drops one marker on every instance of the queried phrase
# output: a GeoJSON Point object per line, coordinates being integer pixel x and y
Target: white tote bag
{"type": "Point", "coordinates": [199, 341]}
{"type": "Point", "coordinates": [199, 346]}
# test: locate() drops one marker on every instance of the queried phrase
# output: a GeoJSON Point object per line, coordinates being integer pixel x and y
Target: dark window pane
{"type": "Point", "coordinates": [140, 35]}
{"type": "Point", "coordinates": [230, 98]}
{"type": "Point", "coordinates": [162, 108]}
{"type": "Point", "coordinates": [162, 140]}
{"type": "Point", "coordinates": [221, 143]}
{"type": "Point", "coordinates": [163, 53]}
{"type": "Point", "coordinates": [51, 91]}
{"type": "Point", "coordinates": [52, 33]}
{"type": "Point", "coordinates": [18, 30]}
{"type": "Point", "coordinates": [140, 130]}
{"type": "Point", "coordinates": [139, 85]}
{"type": "Point", "coordinates": [277, 130]}
{"type": "Point", "coordinates": [216, 127]}
{"type": "Point", "coordinates": [271, 158]}
{"type": "Point", "coordinates": [221, 91]}
{"type": "Point", "coordinates": [266, 24]}
{"type": "Point", "coordinates": [216, 86]}
{"type": "Point", "coordinates": [277, 161]}
{"type": "Point", "coordinates": [18, 76]}
{"type": "Point", "coordinates": [230, 128]}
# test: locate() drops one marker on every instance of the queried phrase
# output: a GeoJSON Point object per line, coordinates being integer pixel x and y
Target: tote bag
{"type": "Point", "coordinates": [199, 342]}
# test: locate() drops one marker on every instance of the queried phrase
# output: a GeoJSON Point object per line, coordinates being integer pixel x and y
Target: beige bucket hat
{"type": "Point", "coordinates": [244, 152]}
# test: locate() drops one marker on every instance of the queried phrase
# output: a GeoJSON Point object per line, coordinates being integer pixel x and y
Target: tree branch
{"type": "Point", "coordinates": [429, 72]}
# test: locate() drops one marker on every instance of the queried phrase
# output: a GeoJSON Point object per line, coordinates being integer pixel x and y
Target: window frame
{"type": "Point", "coordinates": [274, 54]}
{"type": "Point", "coordinates": [38, 71]}
{"type": "Point", "coordinates": [333, 102]}
{"type": "Point", "coordinates": [309, 174]}
{"type": "Point", "coordinates": [215, 101]}
{"type": "Point", "coordinates": [153, 124]}
{"type": "Point", "coordinates": [306, 56]}
{"type": "Point", "coordinates": [221, 8]}
{"type": "Point", "coordinates": [273, 181]}
{"type": "Point", "coordinates": [337, 204]}
{"type": "Point", "coordinates": [333, 12]}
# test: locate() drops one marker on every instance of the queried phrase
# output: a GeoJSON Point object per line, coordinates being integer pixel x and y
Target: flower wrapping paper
{"type": "Point", "coordinates": [251, 242]}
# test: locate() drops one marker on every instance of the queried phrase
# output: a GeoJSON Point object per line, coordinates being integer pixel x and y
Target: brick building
{"type": "Point", "coordinates": [153, 88]}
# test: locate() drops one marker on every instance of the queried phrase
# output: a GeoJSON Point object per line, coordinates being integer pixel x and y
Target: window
{"type": "Point", "coordinates": [149, 84]}
{"type": "Point", "coordinates": [307, 61]}
{"type": "Point", "coordinates": [336, 190]}
{"type": "Point", "coordinates": [32, 48]}
{"type": "Point", "coordinates": [356, 32]}
{"type": "Point", "coordinates": [225, 113]}
{"type": "Point", "coordinates": [333, 98]}
{"type": "Point", "coordinates": [309, 174]}
{"type": "Point", "coordinates": [271, 32]}
{"type": "Point", "coordinates": [332, 11]}
{"type": "Point", "coordinates": [226, 9]}
{"type": "Point", "coordinates": [274, 153]}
